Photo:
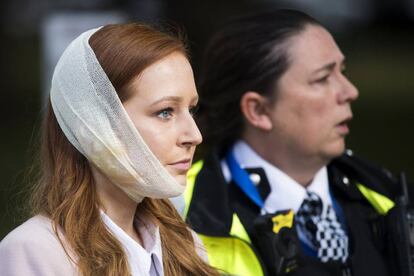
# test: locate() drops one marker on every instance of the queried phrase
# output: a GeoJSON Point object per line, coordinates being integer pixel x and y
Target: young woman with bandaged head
{"type": "Point", "coordinates": [118, 140]}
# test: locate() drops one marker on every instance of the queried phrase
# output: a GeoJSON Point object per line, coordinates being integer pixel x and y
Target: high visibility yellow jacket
{"type": "Point", "coordinates": [221, 215]}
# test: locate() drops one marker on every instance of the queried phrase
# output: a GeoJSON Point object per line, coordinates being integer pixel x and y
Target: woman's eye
{"type": "Point", "coordinates": [165, 113]}
{"type": "Point", "coordinates": [193, 110]}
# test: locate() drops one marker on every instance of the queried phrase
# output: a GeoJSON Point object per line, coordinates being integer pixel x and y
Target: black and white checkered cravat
{"type": "Point", "coordinates": [323, 231]}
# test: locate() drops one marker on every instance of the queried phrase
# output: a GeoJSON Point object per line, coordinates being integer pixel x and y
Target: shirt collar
{"type": "Point", "coordinates": [285, 193]}
{"type": "Point", "coordinates": [139, 257]}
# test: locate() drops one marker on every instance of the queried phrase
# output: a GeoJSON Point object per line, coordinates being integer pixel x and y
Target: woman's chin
{"type": "Point", "coordinates": [181, 179]}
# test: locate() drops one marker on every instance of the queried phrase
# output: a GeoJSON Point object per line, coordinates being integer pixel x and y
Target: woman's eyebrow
{"type": "Point", "coordinates": [175, 99]}
{"type": "Point", "coordinates": [169, 99]}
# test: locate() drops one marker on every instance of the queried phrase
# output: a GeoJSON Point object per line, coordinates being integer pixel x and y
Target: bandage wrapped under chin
{"type": "Point", "coordinates": [95, 122]}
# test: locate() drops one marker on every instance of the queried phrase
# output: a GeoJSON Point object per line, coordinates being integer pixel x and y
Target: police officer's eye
{"type": "Point", "coordinates": [323, 79]}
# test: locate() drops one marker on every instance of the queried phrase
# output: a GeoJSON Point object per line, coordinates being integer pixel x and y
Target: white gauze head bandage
{"type": "Point", "coordinates": [94, 120]}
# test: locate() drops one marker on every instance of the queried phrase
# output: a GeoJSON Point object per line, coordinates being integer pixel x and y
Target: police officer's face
{"type": "Point", "coordinates": [312, 108]}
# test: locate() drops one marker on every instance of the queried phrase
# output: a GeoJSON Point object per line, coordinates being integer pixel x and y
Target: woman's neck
{"type": "Point", "coordinates": [116, 204]}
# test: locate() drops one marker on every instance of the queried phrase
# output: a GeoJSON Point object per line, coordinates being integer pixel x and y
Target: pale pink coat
{"type": "Point", "coordinates": [32, 249]}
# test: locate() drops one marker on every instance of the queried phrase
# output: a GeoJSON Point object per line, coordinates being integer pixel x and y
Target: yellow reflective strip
{"type": "Point", "coordinates": [232, 256]}
{"type": "Point", "coordinates": [380, 203]}
{"type": "Point", "coordinates": [189, 189]}
{"type": "Point", "coordinates": [237, 229]}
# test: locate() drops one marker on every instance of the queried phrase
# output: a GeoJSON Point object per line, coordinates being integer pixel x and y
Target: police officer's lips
{"type": "Point", "coordinates": [342, 126]}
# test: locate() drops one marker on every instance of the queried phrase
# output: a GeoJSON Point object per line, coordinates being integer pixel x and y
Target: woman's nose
{"type": "Point", "coordinates": [191, 135]}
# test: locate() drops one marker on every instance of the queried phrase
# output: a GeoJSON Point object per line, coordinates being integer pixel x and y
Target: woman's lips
{"type": "Point", "coordinates": [182, 165]}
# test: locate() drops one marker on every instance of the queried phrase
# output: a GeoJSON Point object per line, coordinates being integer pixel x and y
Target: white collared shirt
{"type": "Point", "coordinates": [143, 261]}
{"type": "Point", "coordinates": [285, 192]}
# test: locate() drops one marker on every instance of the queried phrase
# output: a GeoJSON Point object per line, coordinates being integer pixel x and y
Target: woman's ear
{"type": "Point", "coordinates": [254, 108]}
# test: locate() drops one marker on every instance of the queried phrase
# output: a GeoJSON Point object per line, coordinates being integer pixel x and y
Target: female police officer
{"type": "Point", "coordinates": [275, 107]}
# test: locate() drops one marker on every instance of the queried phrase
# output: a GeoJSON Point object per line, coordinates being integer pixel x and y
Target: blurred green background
{"type": "Point", "coordinates": [379, 47]}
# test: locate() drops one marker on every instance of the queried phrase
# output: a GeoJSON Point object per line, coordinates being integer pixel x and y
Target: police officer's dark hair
{"type": "Point", "coordinates": [247, 54]}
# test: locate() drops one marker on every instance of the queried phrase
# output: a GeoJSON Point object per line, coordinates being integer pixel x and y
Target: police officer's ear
{"type": "Point", "coordinates": [253, 106]}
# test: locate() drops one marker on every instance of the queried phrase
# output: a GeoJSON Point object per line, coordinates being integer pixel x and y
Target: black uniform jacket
{"type": "Point", "coordinates": [214, 201]}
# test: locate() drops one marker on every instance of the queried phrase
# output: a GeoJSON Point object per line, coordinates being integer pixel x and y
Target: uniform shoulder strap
{"type": "Point", "coordinates": [370, 175]}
